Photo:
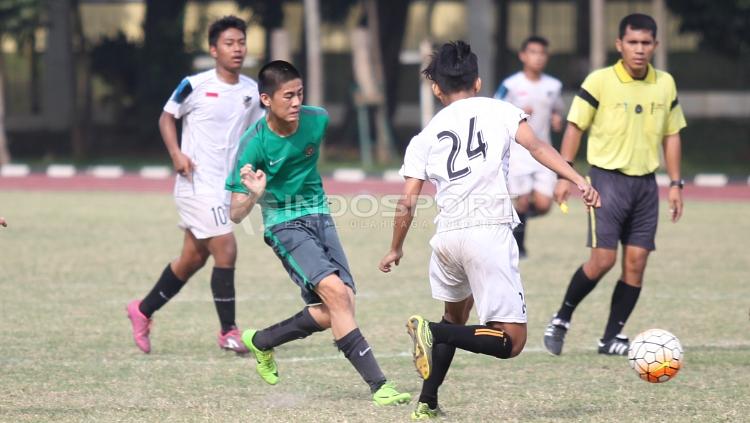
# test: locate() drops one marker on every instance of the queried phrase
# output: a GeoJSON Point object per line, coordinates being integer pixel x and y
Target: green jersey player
{"type": "Point", "coordinates": [277, 168]}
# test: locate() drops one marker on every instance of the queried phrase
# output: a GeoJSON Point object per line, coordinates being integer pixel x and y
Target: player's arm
{"type": "Point", "coordinates": [402, 222]}
{"type": "Point", "coordinates": [242, 203]}
{"type": "Point", "coordinates": [549, 157]}
{"type": "Point", "coordinates": [672, 145]}
{"type": "Point", "coordinates": [181, 162]}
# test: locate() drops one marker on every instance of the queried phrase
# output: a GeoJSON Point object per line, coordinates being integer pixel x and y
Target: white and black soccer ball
{"type": "Point", "coordinates": [656, 355]}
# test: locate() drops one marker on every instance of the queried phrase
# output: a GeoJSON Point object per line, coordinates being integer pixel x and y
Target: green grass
{"type": "Point", "coordinates": [70, 262]}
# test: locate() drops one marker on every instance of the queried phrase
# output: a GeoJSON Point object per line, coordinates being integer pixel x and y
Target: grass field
{"type": "Point", "coordinates": [70, 262]}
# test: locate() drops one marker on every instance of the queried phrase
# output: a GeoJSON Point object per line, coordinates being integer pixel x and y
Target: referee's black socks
{"type": "Point", "coordinates": [580, 286]}
{"type": "Point", "coordinates": [624, 299]}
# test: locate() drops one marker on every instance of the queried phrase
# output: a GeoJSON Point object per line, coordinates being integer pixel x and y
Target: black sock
{"type": "Point", "coordinates": [624, 298]}
{"type": "Point", "coordinates": [477, 339]}
{"type": "Point", "coordinates": [299, 326]}
{"type": "Point", "coordinates": [579, 287]}
{"type": "Point", "coordinates": [166, 287]}
{"type": "Point", "coordinates": [519, 232]}
{"type": "Point", "coordinates": [359, 353]}
{"type": "Point", "coordinates": [222, 287]}
{"type": "Point", "coordinates": [442, 356]}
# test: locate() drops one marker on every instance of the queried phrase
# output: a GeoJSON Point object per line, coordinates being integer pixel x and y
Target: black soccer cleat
{"type": "Point", "coordinates": [616, 346]}
{"type": "Point", "coordinates": [554, 335]}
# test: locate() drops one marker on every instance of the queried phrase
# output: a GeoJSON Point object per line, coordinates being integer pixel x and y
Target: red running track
{"type": "Point", "coordinates": [135, 183]}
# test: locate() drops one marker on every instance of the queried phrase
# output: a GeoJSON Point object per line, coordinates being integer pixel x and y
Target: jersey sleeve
{"type": "Point", "coordinates": [181, 102]}
{"type": "Point", "coordinates": [415, 159]}
{"type": "Point", "coordinates": [250, 152]}
{"type": "Point", "coordinates": [585, 102]}
{"type": "Point", "coordinates": [512, 117]}
{"type": "Point", "coordinates": [675, 119]}
{"type": "Point", "coordinates": [502, 91]}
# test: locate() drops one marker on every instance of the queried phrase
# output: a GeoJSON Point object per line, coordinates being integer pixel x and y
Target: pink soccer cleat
{"type": "Point", "coordinates": [141, 326]}
{"type": "Point", "coordinates": [232, 340]}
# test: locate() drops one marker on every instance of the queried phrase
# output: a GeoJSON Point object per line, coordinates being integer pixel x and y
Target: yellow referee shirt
{"type": "Point", "coordinates": [628, 118]}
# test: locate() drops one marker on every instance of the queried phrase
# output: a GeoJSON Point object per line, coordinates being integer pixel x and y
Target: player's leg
{"type": "Point", "coordinates": [543, 190]}
{"type": "Point", "coordinates": [604, 232]}
{"type": "Point", "coordinates": [638, 241]}
{"type": "Point", "coordinates": [456, 313]}
{"type": "Point", "coordinates": [192, 257]}
{"type": "Point", "coordinates": [172, 279]}
{"type": "Point", "coordinates": [521, 186]}
{"type": "Point", "coordinates": [223, 248]}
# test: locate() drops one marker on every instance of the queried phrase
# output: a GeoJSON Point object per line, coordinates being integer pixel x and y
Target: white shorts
{"type": "Point", "coordinates": [541, 180]}
{"type": "Point", "coordinates": [206, 216]}
{"type": "Point", "coordinates": [483, 261]}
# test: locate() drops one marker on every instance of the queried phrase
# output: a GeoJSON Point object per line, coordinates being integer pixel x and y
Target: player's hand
{"type": "Point", "coordinates": [3, 223]}
{"type": "Point", "coordinates": [675, 203]}
{"type": "Point", "coordinates": [589, 195]}
{"type": "Point", "coordinates": [183, 165]}
{"type": "Point", "coordinates": [254, 181]}
{"type": "Point", "coordinates": [562, 191]}
{"type": "Point", "coordinates": [392, 257]}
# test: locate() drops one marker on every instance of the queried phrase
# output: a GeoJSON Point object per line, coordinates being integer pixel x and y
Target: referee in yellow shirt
{"type": "Point", "coordinates": [629, 109]}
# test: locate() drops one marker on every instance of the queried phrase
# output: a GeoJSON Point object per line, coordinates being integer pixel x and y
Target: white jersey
{"type": "Point", "coordinates": [542, 97]}
{"type": "Point", "coordinates": [464, 151]}
{"type": "Point", "coordinates": [214, 117]}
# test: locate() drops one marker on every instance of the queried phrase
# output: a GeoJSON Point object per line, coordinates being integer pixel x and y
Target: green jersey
{"type": "Point", "coordinates": [294, 187]}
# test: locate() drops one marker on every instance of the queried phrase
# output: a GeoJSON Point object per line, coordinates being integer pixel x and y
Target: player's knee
{"type": "Point", "coordinates": [542, 207]}
{"type": "Point", "coordinates": [599, 265]}
{"type": "Point", "coordinates": [337, 297]}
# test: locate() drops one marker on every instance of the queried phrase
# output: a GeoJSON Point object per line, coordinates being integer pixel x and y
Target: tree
{"type": "Point", "coordinates": [163, 59]}
{"type": "Point", "coordinates": [724, 25]}
{"type": "Point", "coordinates": [19, 19]}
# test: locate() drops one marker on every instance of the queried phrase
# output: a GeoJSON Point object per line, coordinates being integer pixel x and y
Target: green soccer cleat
{"type": "Point", "coordinates": [266, 366]}
{"type": "Point", "coordinates": [424, 412]}
{"type": "Point", "coordinates": [420, 333]}
{"type": "Point", "coordinates": [388, 395]}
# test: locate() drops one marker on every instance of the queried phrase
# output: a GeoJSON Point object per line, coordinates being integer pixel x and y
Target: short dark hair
{"type": "Point", "coordinates": [638, 21]}
{"type": "Point", "coordinates": [454, 67]}
{"type": "Point", "coordinates": [275, 73]}
{"type": "Point", "coordinates": [216, 28]}
{"type": "Point", "coordinates": [534, 39]}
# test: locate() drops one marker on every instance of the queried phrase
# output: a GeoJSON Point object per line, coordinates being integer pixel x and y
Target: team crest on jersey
{"type": "Point", "coordinates": [309, 150]}
{"type": "Point", "coordinates": [246, 100]}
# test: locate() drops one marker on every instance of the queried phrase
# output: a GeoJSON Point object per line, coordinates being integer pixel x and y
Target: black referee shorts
{"type": "Point", "coordinates": [309, 248]}
{"type": "Point", "coordinates": [629, 212]}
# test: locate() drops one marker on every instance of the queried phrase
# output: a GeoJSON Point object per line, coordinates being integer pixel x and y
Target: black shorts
{"type": "Point", "coordinates": [309, 248]}
{"type": "Point", "coordinates": [629, 211]}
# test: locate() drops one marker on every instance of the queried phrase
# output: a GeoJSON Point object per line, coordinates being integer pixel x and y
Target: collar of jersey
{"type": "Point", "coordinates": [624, 76]}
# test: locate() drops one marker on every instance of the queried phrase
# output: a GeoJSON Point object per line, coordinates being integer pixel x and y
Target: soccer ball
{"type": "Point", "coordinates": [656, 355]}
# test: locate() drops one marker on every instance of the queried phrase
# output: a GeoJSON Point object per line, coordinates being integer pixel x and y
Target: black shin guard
{"type": "Point", "coordinates": [580, 286]}
{"type": "Point", "coordinates": [442, 356]}
{"type": "Point", "coordinates": [165, 288]}
{"type": "Point", "coordinates": [624, 299]}
{"type": "Point", "coordinates": [359, 353]}
{"type": "Point", "coordinates": [477, 339]}
{"type": "Point", "coordinates": [222, 287]}
{"type": "Point", "coordinates": [299, 326]}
